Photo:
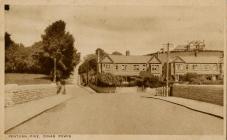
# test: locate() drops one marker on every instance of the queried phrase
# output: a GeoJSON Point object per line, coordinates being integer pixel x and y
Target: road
{"type": "Point", "coordinates": [120, 113]}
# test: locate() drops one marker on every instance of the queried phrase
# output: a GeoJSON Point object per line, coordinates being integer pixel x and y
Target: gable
{"type": "Point", "coordinates": [178, 60]}
{"type": "Point", "coordinates": [106, 60]}
{"type": "Point", "coordinates": [154, 60]}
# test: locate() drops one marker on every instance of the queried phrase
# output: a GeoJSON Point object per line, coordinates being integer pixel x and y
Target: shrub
{"type": "Point", "coordinates": [107, 79]}
{"type": "Point", "coordinates": [149, 80]}
{"type": "Point", "coordinates": [194, 78]}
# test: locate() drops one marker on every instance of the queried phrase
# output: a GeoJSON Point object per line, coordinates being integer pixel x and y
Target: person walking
{"type": "Point", "coordinates": [60, 76]}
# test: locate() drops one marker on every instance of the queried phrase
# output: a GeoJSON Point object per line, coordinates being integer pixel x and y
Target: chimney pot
{"type": "Point", "coordinates": [127, 53]}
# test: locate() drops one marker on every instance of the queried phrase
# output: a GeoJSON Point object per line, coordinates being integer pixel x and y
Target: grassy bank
{"type": "Point", "coordinates": [26, 79]}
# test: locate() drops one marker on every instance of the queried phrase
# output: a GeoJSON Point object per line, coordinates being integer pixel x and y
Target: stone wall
{"type": "Point", "coordinates": [207, 93]}
{"type": "Point", "coordinates": [15, 94]}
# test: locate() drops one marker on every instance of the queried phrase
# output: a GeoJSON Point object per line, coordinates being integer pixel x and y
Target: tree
{"type": "Point", "coordinates": [117, 53]}
{"type": "Point", "coordinates": [59, 44]}
{"type": "Point", "coordinates": [8, 41]}
{"type": "Point", "coordinates": [90, 63]}
{"type": "Point", "coordinates": [102, 53]}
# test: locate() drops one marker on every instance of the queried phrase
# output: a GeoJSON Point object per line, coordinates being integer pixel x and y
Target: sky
{"type": "Point", "coordinates": [140, 29]}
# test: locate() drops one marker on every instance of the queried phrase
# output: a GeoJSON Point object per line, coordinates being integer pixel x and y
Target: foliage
{"type": "Point", "coordinates": [20, 59]}
{"type": "Point", "coordinates": [102, 89]}
{"type": "Point", "coordinates": [194, 78]}
{"type": "Point", "coordinates": [8, 40]}
{"type": "Point", "coordinates": [90, 63]}
{"type": "Point", "coordinates": [188, 77]}
{"type": "Point", "coordinates": [102, 53]}
{"type": "Point", "coordinates": [148, 80]}
{"type": "Point", "coordinates": [59, 44]}
{"type": "Point", "coordinates": [38, 58]}
{"type": "Point", "coordinates": [108, 80]}
{"type": "Point", "coordinates": [117, 53]}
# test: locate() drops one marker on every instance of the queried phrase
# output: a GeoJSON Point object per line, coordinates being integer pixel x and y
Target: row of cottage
{"type": "Point", "coordinates": [180, 62]}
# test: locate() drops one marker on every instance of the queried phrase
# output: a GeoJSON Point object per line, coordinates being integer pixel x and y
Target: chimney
{"type": "Point", "coordinates": [127, 53]}
{"type": "Point", "coordinates": [158, 54]}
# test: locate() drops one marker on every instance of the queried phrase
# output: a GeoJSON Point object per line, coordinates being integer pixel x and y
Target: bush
{"type": "Point", "coordinates": [194, 78]}
{"type": "Point", "coordinates": [148, 80]}
{"type": "Point", "coordinates": [107, 80]}
{"type": "Point", "coordinates": [102, 89]}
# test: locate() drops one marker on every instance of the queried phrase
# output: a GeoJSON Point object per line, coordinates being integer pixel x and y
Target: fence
{"type": "Point", "coordinates": [162, 91]}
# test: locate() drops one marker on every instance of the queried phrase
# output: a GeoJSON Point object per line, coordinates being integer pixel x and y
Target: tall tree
{"type": "Point", "coordinates": [59, 44]}
{"type": "Point", "coordinates": [102, 53]}
{"type": "Point", "coordinates": [8, 40]}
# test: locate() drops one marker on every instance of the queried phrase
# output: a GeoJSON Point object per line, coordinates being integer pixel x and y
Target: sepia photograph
{"type": "Point", "coordinates": [114, 69]}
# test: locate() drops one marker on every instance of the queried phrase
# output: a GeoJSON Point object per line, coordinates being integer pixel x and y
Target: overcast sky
{"type": "Point", "coordinates": [140, 29]}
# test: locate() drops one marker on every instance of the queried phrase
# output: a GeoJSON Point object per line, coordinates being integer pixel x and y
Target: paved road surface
{"type": "Point", "coordinates": [125, 113]}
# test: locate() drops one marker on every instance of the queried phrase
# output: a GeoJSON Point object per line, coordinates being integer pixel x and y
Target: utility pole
{"type": "Point", "coordinates": [167, 68]}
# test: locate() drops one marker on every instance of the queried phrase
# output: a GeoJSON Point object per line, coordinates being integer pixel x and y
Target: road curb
{"type": "Point", "coordinates": [88, 89]}
{"type": "Point", "coordinates": [215, 115]}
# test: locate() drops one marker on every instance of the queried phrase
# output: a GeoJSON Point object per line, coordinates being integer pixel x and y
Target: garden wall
{"type": "Point", "coordinates": [15, 94]}
{"type": "Point", "coordinates": [102, 89]}
{"type": "Point", "coordinates": [207, 93]}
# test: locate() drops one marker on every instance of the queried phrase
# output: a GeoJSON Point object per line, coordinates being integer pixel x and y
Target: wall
{"type": "Point", "coordinates": [15, 94]}
{"type": "Point", "coordinates": [207, 93]}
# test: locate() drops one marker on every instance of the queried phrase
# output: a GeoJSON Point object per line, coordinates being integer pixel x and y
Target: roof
{"type": "Point", "coordinates": [128, 59]}
{"type": "Point", "coordinates": [163, 58]}
{"type": "Point", "coordinates": [201, 59]}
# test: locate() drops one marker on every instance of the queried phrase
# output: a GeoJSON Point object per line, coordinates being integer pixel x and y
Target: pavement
{"type": "Point", "coordinates": [20, 113]}
{"type": "Point", "coordinates": [203, 107]}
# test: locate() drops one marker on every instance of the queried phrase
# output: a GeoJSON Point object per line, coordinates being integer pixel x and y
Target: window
{"type": "Point", "coordinates": [123, 67]}
{"type": "Point", "coordinates": [116, 67]}
{"type": "Point", "coordinates": [194, 66]}
{"type": "Point", "coordinates": [136, 67]}
{"type": "Point", "coordinates": [186, 66]}
{"type": "Point", "coordinates": [180, 66]}
{"type": "Point", "coordinates": [107, 66]}
{"type": "Point", "coordinates": [215, 67]}
{"type": "Point", "coordinates": [144, 67]}
{"type": "Point", "coordinates": [154, 67]}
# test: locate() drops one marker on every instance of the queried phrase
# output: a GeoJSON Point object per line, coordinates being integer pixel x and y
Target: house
{"type": "Point", "coordinates": [130, 65]}
{"type": "Point", "coordinates": [192, 58]}
{"type": "Point", "coordinates": [210, 66]}
{"type": "Point", "coordinates": [181, 62]}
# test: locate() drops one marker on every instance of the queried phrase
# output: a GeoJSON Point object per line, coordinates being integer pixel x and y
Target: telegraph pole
{"type": "Point", "coordinates": [167, 68]}
{"type": "Point", "coordinates": [167, 72]}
